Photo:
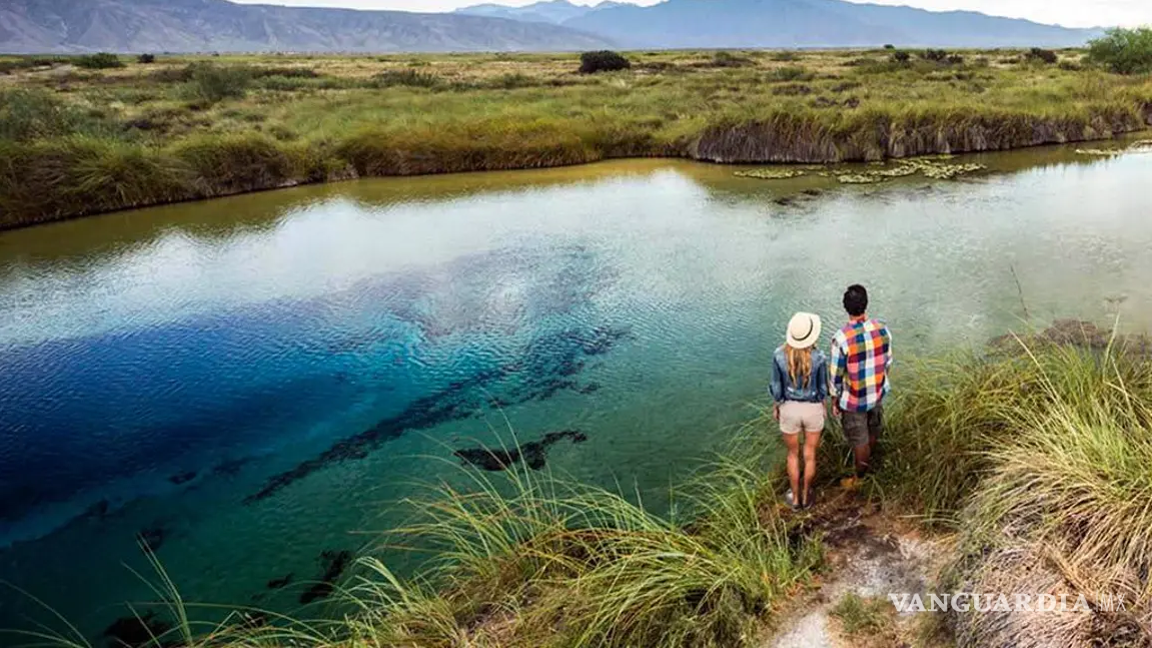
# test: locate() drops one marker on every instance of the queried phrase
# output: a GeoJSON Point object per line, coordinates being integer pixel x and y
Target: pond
{"type": "Point", "coordinates": [251, 384]}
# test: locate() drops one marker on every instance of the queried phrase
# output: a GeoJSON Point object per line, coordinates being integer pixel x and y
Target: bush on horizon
{"type": "Point", "coordinates": [1041, 55]}
{"type": "Point", "coordinates": [603, 61]}
{"type": "Point", "coordinates": [1123, 51]}
{"type": "Point", "coordinates": [99, 61]}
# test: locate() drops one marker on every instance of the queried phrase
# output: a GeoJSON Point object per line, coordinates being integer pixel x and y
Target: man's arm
{"type": "Point", "coordinates": [888, 358]}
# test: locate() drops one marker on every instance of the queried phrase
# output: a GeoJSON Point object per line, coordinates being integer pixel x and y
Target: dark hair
{"type": "Point", "coordinates": [856, 300]}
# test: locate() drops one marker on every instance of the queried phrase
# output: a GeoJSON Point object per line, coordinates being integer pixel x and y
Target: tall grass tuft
{"type": "Point", "coordinates": [1038, 452]}
{"type": "Point", "coordinates": [531, 560]}
{"type": "Point", "coordinates": [226, 164]}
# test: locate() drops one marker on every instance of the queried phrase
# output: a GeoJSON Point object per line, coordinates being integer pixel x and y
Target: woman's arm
{"type": "Point", "coordinates": [776, 386]}
{"type": "Point", "coordinates": [822, 380]}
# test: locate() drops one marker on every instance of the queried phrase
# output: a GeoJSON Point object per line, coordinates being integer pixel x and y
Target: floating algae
{"type": "Point", "coordinates": [1140, 146]}
{"type": "Point", "coordinates": [859, 178]}
{"type": "Point", "coordinates": [902, 171]}
{"type": "Point", "coordinates": [950, 171]}
{"type": "Point", "coordinates": [926, 167]}
{"type": "Point", "coordinates": [770, 174]}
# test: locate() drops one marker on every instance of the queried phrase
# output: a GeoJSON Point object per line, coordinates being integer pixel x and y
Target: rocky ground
{"type": "Point", "coordinates": [870, 554]}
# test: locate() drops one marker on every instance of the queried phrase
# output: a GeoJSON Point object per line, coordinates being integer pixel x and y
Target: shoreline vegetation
{"type": "Point", "coordinates": [100, 133]}
{"type": "Point", "coordinates": [1028, 458]}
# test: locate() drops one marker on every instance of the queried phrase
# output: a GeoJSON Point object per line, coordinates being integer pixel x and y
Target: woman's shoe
{"type": "Point", "coordinates": [790, 500]}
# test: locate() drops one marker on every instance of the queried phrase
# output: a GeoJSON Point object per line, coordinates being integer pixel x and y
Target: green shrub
{"type": "Point", "coordinates": [603, 61]}
{"type": "Point", "coordinates": [173, 74]}
{"type": "Point", "coordinates": [100, 61]}
{"type": "Point", "coordinates": [286, 72]}
{"type": "Point", "coordinates": [235, 163]}
{"type": "Point", "coordinates": [901, 57]}
{"type": "Point", "coordinates": [31, 114]}
{"type": "Point", "coordinates": [512, 81]}
{"type": "Point", "coordinates": [791, 73]}
{"type": "Point", "coordinates": [786, 57]}
{"type": "Point", "coordinates": [889, 47]}
{"type": "Point", "coordinates": [1123, 51]}
{"type": "Point", "coordinates": [729, 60]}
{"type": "Point", "coordinates": [146, 59]}
{"type": "Point", "coordinates": [72, 176]}
{"type": "Point", "coordinates": [935, 55]}
{"type": "Point", "coordinates": [214, 83]}
{"type": "Point", "coordinates": [1039, 55]}
{"type": "Point", "coordinates": [406, 78]}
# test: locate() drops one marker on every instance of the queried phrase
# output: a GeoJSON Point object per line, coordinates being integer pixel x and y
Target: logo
{"type": "Point", "coordinates": [985, 602]}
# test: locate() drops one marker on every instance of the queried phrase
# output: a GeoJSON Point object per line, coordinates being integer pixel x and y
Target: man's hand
{"type": "Point", "coordinates": [836, 408]}
{"type": "Point", "coordinates": [776, 412]}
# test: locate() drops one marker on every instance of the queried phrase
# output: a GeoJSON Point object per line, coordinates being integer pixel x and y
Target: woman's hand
{"type": "Point", "coordinates": [776, 412]}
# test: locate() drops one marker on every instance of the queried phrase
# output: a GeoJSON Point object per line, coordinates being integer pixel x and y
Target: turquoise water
{"type": "Point", "coordinates": [253, 381]}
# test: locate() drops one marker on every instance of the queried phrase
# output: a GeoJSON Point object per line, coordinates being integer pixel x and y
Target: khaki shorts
{"type": "Point", "coordinates": [797, 417]}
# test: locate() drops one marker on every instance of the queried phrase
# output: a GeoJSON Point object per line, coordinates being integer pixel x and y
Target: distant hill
{"type": "Point", "coordinates": [554, 11]}
{"type": "Point", "coordinates": [812, 23]}
{"type": "Point", "coordinates": [62, 26]}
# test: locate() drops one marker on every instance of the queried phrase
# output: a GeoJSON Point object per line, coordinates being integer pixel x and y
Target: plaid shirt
{"type": "Point", "coordinates": [862, 355]}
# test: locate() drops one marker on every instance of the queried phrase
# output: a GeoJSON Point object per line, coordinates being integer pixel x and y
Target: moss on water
{"type": "Point", "coordinates": [770, 174]}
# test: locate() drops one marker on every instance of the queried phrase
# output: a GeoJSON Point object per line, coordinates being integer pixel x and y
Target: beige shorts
{"type": "Point", "coordinates": [796, 417]}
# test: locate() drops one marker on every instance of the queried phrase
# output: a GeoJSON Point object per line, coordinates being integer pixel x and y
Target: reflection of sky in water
{"type": "Point", "coordinates": [162, 381]}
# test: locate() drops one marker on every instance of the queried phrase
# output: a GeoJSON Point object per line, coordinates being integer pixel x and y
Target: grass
{"type": "Point", "coordinates": [1037, 454]}
{"type": "Point", "coordinates": [349, 115]}
{"type": "Point", "coordinates": [862, 619]}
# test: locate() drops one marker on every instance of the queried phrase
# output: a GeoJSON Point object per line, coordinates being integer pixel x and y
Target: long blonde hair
{"type": "Point", "coordinates": [799, 364]}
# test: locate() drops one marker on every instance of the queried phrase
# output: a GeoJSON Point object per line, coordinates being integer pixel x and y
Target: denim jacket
{"type": "Point", "coordinates": [814, 391]}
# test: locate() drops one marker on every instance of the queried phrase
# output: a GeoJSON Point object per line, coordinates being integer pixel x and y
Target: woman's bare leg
{"type": "Point", "coordinates": [811, 445]}
{"type": "Point", "coordinates": [793, 443]}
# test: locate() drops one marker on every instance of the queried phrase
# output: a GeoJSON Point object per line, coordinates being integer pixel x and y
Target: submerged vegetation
{"type": "Point", "coordinates": [91, 134]}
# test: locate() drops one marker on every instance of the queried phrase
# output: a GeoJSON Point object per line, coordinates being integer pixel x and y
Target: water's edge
{"type": "Point", "coordinates": [751, 143]}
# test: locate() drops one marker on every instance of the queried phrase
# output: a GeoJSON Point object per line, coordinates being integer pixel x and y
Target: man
{"type": "Point", "coordinates": [861, 358]}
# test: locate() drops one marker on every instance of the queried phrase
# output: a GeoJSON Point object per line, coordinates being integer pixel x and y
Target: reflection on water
{"type": "Point", "coordinates": [246, 382]}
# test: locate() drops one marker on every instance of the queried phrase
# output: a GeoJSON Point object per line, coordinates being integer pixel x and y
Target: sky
{"type": "Point", "coordinates": [1071, 13]}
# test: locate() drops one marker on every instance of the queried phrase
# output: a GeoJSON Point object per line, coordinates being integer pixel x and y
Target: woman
{"type": "Point", "coordinates": [799, 387]}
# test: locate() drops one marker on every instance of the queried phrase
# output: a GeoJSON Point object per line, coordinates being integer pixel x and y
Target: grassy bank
{"type": "Point", "coordinates": [75, 140]}
{"type": "Point", "coordinates": [1033, 453]}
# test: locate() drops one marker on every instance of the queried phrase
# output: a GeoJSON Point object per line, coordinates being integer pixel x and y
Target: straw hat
{"type": "Point", "coordinates": [803, 330]}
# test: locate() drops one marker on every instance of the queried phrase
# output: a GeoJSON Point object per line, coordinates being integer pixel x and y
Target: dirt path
{"type": "Point", "coordinates": [869, 554]}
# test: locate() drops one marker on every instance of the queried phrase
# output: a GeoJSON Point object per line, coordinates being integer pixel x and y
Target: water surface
{"type": "Point", "coordinates": [251, 381]}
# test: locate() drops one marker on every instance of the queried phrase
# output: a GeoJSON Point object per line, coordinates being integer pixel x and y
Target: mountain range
{"type": "Point", "coordinates": [550, 11]}
{"type": "Point", "coordinates": [787, 23]}
{"type": "Point", "coordinates": [63, 26]}
{"type": "Point", "coordinates": [35, 26]}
